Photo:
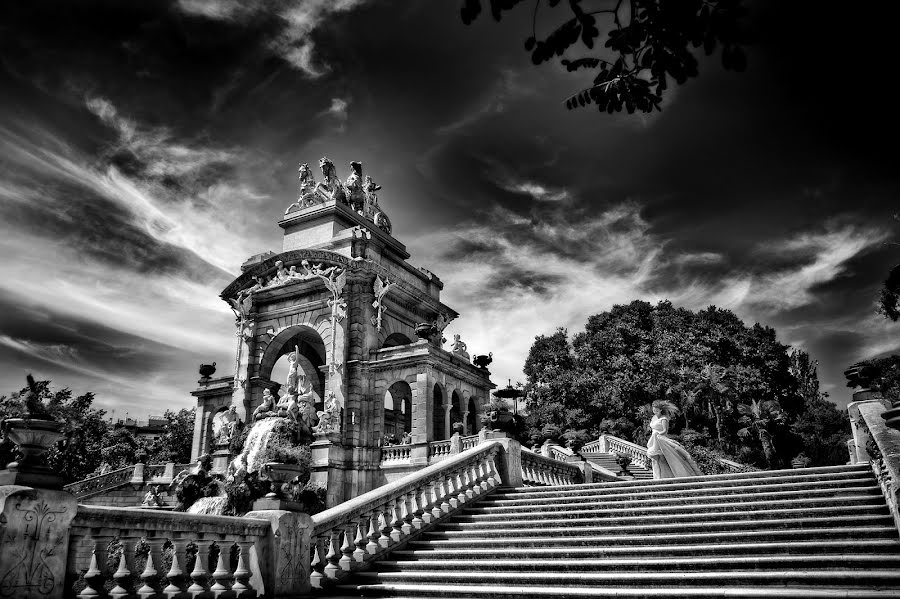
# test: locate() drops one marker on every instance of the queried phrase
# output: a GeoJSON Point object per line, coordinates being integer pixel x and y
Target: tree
{"type": "Point", "coordinates": [648, 42]}
{"type": "Point", "coordinates": [85, 429]}
{"type": "Point", "coordinates": [122, 448]}
{"type": "Point", "coordinates": [734, 383]}
{"type": "Point", "coordinates": [175, 444]}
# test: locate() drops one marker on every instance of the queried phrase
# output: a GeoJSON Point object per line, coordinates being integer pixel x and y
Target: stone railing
{"type": "Point", "coordinates": [438, 450]}
{"type": "Point", "coordinates": [563, 454]}
{"type": "Point", "coordinates": [468, 442]}
{"type": "Point", "coordinates": [154, 555]}
{"type": "Point", "coordinates": [395, 453]}
{"type": "Point", "coordinates": [609, 444]}
{"type": "Point", "coordinates": [538, 470]}
{"type": "Point", "coordinates": [878, 444]}
{"type": "Point", "coordinates": [134, 474]}
{"type": "Point", "coordinates": [356, 533]}
{"type": "Point", "coordinates": [101, 483]}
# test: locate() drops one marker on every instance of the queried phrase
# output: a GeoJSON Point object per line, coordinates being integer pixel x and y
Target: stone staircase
{"type": "Point", "coordinates": [806, 533]}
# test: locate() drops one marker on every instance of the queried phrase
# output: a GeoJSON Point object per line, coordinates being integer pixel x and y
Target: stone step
{"type": "Point", "coordinates": [878, 561]}
{"type": "Point", "coordinates": [846, 533]}
{"type": "Point", "coordinates": [490, 506]}
{"type": "Point", "coordinates": [829, 517]}
{"type": "Point", "coordinates": [743, 479]}
{"type": "Point", "coordinates": [497, 500]}
{"type": "Point", "coordinates": [476, 514]}
{"type": "Point", "coordinates": [504, 591]}
{"type": "Point", "coordinates": [817, 546]}
{"type": "Point", "coordinates": [660, 578]}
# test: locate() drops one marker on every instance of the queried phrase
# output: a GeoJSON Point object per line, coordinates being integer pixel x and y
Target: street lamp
{"type": "Point", "coordinates": [510, 392]}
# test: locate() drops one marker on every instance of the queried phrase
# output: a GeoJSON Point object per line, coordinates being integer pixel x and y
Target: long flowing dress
{"type": "Point", "coordinates": [668, 458]}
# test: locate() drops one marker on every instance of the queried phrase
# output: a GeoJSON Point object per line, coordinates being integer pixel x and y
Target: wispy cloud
{"type": "Point", "coordinates": [299, 19]}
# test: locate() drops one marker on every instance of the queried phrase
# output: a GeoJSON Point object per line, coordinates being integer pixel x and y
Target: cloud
{"type": "Point", "coordinates": [338, 111]}
{"type": "Point", "coordinates": [536, 191]}
{"type": "Point", "coordinates": [507, 87]}
{"type": "Point", "coordinates": [298, 19]}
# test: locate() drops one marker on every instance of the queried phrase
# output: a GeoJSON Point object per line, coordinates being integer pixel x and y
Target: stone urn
{"type": "Point", "coordinates": [34, 438]}
{"type": "Point", "coordinates": [801, 461]}
{"type": "Point", "coordinates": [206, 371]}
{"type": "Point", "coordinates": [623, 461]}
{"type": "Point", "coordinates": [482, 361]}
{"type": "Point", "coordinates": [425, 330]}
{"type": "Point", "coordinates": [278, 474]}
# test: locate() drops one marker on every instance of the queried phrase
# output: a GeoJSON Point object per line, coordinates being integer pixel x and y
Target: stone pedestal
{"type": "Point", "coordinates": [287, 554]}
{"type": "Point", "coordinates": [220, 459]}
{"type": "Point", "coordinates": [34, 541]}
{"type": "Point", "coordinates": [34, 438]}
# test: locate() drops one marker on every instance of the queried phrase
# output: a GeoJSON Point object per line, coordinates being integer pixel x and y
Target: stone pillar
{"type": "Point", "coordinates": [197, 443]}
{"type": "Point", "coordinates": [510, 460]}
{"type": "Point", "coordinates": [447, 407]}
{"type": "Point", "coordinates": [860, 435]}
{"type": "Point", "coordinates": [465, 421]}
{"type": "Point", "coordinates": [285, 558]}
{"type": "Point", "coordinates": [35, 528]}
{"type": "Point", "coordinates": [422, 426]}
{"type": "Point", "coordinates": [241, 396]}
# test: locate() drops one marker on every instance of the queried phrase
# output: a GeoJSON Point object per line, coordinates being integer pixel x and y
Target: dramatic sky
{"type": "Point", "coordinates": [147, 148]}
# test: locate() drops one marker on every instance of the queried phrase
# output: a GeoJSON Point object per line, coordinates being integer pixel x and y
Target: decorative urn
{"type": "Point", "coordinates": [623, 461]}
{"type": "Point", "coordinates": [34, 434]}
{"type": "Point", "coordinates": [482, 361]}
{"type": "Point", "coordinates": [278, 474]}
{"type": "Point", "coordinates": [206, 371]}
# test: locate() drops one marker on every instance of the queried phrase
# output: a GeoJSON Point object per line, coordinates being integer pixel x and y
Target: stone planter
{"type": "Point", "coordinates": [34, 437]}
{"type": "Point", "coordinates": [482, 361]}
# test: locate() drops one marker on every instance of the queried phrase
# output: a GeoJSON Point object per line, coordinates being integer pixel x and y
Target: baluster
{"type": "Point", "coordinates": [333, 557]}
{"type": "Point", "coordinates": [122, 575]}
{"type": "Point", "coordinates": [396, 520]}
{"type": "Point", "coordinates": [431, 512]}
{"type": "Point", "coordinates": [405, 515]}
{"type": "Point", "coordinates": [176, 575]}
{"type": "Point", "coordinates": [150, 577]}
{"type": "Point", "coordinates": [200, 574]}
{"type": "Point", "coordinates": [441, 504]}
{"type": "Point", "coordinates": [317, 563]}
{"type": "Point", "coordinates": [468, 483]}
{"type": "Point", "coordinates": [416, 523]}
{"type": "Point", "coordinates": [359, 541]}
{"type": "Point", "coordinates": [460, 487]}
{"type": "Point", "coordinates": [384, 521]}
{"type": "Point", "coordinates": [347, 547]}
{"type": "Point", "coordinates": [222, 574]}
{"type": "Point", "coordinates": [450, 498]}
{"type": "Point", "coordinates": [242, 573]}
{"type": "Point", "coordinates": [486, 473]}
{"type": "Point", "coordinates": [372, 547]}
{"type": "Point", "coordinates": [93, 578]}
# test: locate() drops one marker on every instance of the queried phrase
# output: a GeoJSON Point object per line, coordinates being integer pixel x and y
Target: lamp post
{"type": "Point", "coordinates": [510, 392]}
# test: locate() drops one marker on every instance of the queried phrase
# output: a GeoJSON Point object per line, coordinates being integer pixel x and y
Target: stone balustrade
{"type": "Point", "coordinates": [468, 442]}
{"type": "Point", "coordinates": [102, 482]}
{"type": "Point", "coordinates": [352, 535]}
{"type": "Point", "coordinates": [395, 453]}
{"type": "Point", "coordinates": [879, 444]}
{"type": "Point", "coordinates": [538, 470]}
{"type": "Point", "coordinates": [438, 450]}
{"type": "Point", "coordinates": [155, 555]}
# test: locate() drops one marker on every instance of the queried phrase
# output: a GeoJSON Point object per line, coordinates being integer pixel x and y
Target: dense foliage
{"type": "Point", "coordinates": [634, 47]}
{"type": "Point", "coordinates": [92, 442]}
{"type": "Point", "coordinates": [737, 386]}
{"type": "Point", "coordinates": [882, 375]}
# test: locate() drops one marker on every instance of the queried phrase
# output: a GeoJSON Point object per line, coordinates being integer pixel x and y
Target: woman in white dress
{"type": "Point", "coordinates": [668, 458]}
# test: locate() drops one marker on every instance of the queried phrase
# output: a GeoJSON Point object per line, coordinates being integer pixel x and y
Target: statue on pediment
{"type": "Point", "coordinates": [331, 188]}
{"type": "Point", "coordinates": [356, 195]}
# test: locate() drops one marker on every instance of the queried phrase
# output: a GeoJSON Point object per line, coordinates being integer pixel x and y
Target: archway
{"type": "Point", "coordinates": [439, 430]}
{"type": "Point", "coordinates": [455, 409]}
{"type": "Point", "coordinates": [395, 339]}
{"type": "Point", "coordinates": [398, 409]}
{"type": "Point", "coordinates": [274, 363]}
{"type": "Point", "coordinates": [472, 422]}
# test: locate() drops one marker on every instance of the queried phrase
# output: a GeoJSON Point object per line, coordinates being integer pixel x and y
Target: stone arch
{"type": "Point", "coordinates": [456, 408]}
{"type": "Point", "coordinates": [391, 327]}
{"type": "Point", "coordinates": [312, 346]}
{"type": "Point", "coordinates": [473, 422]}
{"type": "Point", "coordinates": [395, 339]}
{"type": "Point", "coordinates": [398, 409]}
{"type": "Point", "coordinates": [439, 427]}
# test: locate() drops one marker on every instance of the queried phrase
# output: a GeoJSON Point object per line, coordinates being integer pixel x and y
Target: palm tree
{"type": "Point", "coordinates": [758, 419]}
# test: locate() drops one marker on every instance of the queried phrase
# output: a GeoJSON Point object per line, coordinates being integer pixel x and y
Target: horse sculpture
{"type": "Point", "coordinates": [331, 188]}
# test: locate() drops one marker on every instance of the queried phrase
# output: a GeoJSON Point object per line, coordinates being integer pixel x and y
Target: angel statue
{"type": "Point", "coordinates": [380, 288]}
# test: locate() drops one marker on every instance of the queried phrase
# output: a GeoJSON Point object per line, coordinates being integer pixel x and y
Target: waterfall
{"type": "Point", "coordinates": [208, 505]}
{"type": "Point", "coordinates": [256, 442]}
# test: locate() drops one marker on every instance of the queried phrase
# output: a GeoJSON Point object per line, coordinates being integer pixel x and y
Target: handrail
{"type": "Point", "coordinates": [352, 535]}
{"type": "Point", "coordinates": [468, 442]}
{"type": "Point", "coordinates": [638, 454]}
{"type": "Point", "coordinates": [541, 470]}
{"type": "Point", "coordinates": [101, 482]}
{"type": "Point", "coordinates": [882, 446]}
{"type": "Point", "coordinates": [438, 450]}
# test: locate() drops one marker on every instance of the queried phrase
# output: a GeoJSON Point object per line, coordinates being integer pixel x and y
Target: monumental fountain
{"type": "Point", "coordinates": [363, 332]}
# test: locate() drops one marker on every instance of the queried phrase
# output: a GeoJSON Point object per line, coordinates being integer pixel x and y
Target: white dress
{"type": "Point", "coordinates": [669, 458]}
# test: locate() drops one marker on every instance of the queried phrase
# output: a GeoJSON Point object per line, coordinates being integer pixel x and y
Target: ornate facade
{"type": "Point", "coordinates": [368, 328]}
